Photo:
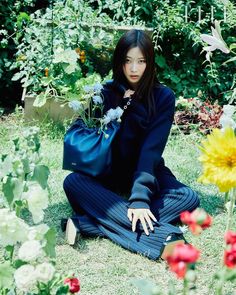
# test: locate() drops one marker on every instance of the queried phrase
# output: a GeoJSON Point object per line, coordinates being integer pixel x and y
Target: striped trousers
{"type": "Point", "coordinates": [101, 212]}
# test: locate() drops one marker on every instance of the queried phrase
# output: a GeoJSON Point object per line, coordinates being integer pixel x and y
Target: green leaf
{"type": "Point", "coordinates": [160, 61]}
{"type": "Point", "coordinates": [41, 173]}
{"type": "Point", "coordinates": [230, 274]}
{"type": "Point", "coordinates": [232, 46]}
{"type": "Point", "coordinates": [18, 205]}
{"type": "Point", "coordinates": [46, 81]}
{"type": "Point", "coordinates": [50, 237]}
{"type": "Point", "coordinates": [230, 60]}
{"type": "Point", "coordinates": [9, 251]}
{"type": "Point", "coordinates": [6, 275]}
{"type": "Point", "coordinates": [18, 263]}
{"type": "Point", "coordinates": [12, 189]}
{"type": "Point", "coordinates": [16, 142]}
{"type": "Point", "coordinates": [22, 18]}
{"type": "Point", "coordinates": [175, 79]}
{"type": "Point", "coordinates": [26, 165]}
{"type": "Point", "coordinates": [6, 166]}
{"type": "Point", "coordinates": [17, 76]}
{"type": "Point", "coordinates": [63, 290]}
{"type": "Point", "coordinates": [40, 100]}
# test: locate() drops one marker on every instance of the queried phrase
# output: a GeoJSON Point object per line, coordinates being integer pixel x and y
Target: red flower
{"type": "Point", "coordinates": [180, 268]}
{"type": "Point", "coordinates": [73, 283]}
{"type": "Point", "coordinates": [197, 221]}
{"type": "Point", "coordinates": [230, 257]}
{"type": "Point", "coordinates": [230, 237]}
{"type": "Point", "coordinates": [182, 255]}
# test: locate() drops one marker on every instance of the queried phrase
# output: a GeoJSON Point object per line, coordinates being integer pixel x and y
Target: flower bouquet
{"type": "Point", "coordinates": [90, 109]}
{"type": "Point", "coordinates": [87, 143]}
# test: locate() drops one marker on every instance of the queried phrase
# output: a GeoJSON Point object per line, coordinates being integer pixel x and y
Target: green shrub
{"type": "Point", "coordinates": [14, 16]}
{"type": "Point", "coordinates": [62, 29]}
{"type": "Point", "coordinates": [177, 42]}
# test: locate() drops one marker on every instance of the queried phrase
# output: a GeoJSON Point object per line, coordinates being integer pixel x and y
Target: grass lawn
{"type": "Point", "coordinates": [103, 267]}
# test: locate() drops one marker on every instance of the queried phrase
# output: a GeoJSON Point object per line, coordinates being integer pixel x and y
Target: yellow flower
{"type": "Point", "coordinates": [219, 159]}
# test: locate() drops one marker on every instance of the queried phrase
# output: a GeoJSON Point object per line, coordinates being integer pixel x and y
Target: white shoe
{"type": "Point", "coordinates": [71, 232]}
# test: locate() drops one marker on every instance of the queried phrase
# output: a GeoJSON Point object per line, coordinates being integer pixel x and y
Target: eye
{"type": "Point", "coordinates": [142, 61]}
{"type": "Point", "coordinates": [127, 60]}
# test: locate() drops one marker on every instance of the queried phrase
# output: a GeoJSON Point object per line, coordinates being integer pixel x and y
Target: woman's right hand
{"type": "Point", "coordinates": [144, 215]}
{"type": "Point", "coordinates": [128, 93]}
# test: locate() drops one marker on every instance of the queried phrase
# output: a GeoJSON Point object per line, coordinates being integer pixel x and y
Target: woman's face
{"type": "Point", "coordinates": [134, 67]}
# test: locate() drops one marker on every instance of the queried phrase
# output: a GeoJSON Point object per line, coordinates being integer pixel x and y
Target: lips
{"type": "Point", "coordinates": [134, 77]}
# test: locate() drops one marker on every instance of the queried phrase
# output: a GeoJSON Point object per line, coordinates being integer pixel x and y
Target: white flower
{"type": "Point", "coordinates": [44, 272]}
{"type": "Point", "coordinates": [119, 112]}
{"type": "Point", "coordinates": [226, 119]}
{"type": "Point", "coordinates": [111, 114]}
{"type": "Point", "coordinates": [12, 228]}
{"type": "Point", "coordinates": [75, 105]}
{"type": "Point", "coordinates": [215, 41]}
{"type": "Point", "coordinates": [30, 251]}
{"type": "Point", "coordinates": [88, 89]}
{"type": "Point", "coordinates": [37, 232]}
{"type": "Point", "coordinates": [37, 199]}
{"type": "Point", "coordinates": [105, 120]}
{"type": "Point", "coordinates": [97, 99]}
{"type": "Point", "coordinates": [228, 110]}
{"type": "Point", "coordinates": [25, 277]}
{"type": "Point", "coordinates": [97, 88]}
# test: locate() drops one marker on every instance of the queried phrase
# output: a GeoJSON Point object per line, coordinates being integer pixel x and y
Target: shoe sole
{"type": "Point", "coordinates": [71, 232]}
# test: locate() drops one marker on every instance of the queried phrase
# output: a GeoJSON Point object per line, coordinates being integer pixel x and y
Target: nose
{"type": "Point", "coordinates": [133, 67]}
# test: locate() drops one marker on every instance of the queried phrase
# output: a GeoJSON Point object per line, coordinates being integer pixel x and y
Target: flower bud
{"type": "Point", "coordinates": [73, 283]}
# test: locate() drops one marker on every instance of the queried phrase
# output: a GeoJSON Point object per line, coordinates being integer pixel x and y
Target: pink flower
{"type": "Point", "coordinates": [230, 237]}
{"type": "Point", "coordinates": [73, 283]}
{"type": "Point", "coordinates": [183, 254]}
{"type": "Point", "coordinates": [197, 221]}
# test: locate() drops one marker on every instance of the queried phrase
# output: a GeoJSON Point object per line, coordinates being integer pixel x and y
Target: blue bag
{"type": "Point", "coordinates": [87, 150]}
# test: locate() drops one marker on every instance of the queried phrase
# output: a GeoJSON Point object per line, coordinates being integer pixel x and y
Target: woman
{"type": "Point", "coordinates": [143, 223]}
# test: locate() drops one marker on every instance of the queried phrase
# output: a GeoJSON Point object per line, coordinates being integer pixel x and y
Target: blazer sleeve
{"type": "Point", "coordinates": [145, 184]}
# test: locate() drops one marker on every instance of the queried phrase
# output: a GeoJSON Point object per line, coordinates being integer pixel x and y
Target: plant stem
{"type": "Point", "coordinates": [186, 287]}
{"type": "Point", "coordinates": [219, 288]}
{"type": "Point", "coordinates": [226, 197]}
{"type": "Point", "coordinates": [232, 195]}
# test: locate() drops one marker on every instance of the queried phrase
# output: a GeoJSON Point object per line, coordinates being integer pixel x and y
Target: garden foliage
{"type": "Point", "coordinates": [87, 26]}
{"type": "Point", "coordinates": [14, 17]}
{"type": "Point", "coordinates": [178, 44]}
{"type": "Point", "coordinates": [59, 45]}
{"type": "Point", "coordinates": [28, 263]}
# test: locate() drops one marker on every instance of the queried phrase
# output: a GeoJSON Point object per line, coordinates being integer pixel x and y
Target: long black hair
{"type": "Point", "coordinates": [131, 39]}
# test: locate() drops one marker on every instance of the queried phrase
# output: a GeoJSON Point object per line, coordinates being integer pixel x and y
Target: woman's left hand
{"type": "Point", "coordinates": [144, 215]}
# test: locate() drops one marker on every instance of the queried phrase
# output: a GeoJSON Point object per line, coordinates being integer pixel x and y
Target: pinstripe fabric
{"type": "Point", "coordinates": [106, 213]}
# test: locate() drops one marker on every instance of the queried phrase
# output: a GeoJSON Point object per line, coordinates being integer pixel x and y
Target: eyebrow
{"type": "Point", "coordinates": [138, 57]}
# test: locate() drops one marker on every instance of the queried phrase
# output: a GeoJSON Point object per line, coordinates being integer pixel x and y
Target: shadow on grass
{"type": "Point", "coordinates": [52, 218]}
{"type": "Point", "coordinates": [212, 203]}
